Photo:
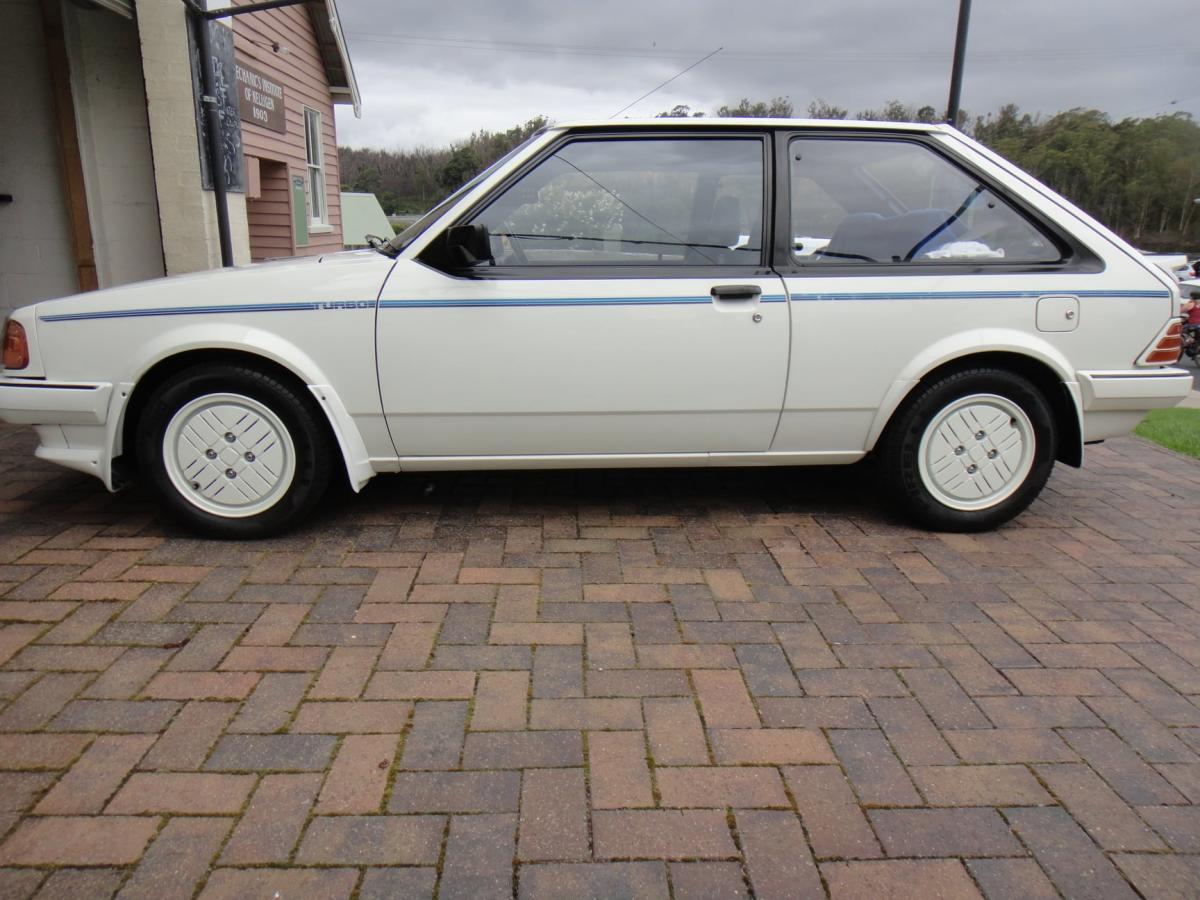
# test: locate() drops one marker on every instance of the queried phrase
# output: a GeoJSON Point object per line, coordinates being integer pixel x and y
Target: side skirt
{"type": "Point", "coordinates": [614, 461]}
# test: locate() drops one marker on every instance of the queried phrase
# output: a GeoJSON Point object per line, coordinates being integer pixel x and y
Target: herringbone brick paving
{"type": "Point", "coordinates": [607, 684]}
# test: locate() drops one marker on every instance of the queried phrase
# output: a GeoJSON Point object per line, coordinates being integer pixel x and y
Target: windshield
{"type": "Point", "coordinates": [417, 228]}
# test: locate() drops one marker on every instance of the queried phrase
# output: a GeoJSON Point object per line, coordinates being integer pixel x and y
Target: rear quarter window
{"type": "Point", "coordinates": [898, 202]}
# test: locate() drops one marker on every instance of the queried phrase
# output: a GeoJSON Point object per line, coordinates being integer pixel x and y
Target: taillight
{"type": "Point", "coordinates": [16, 347]}
{"type": "Point", "coordinates": [1168, 348]}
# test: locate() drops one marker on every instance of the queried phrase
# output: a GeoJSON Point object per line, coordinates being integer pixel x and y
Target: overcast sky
{"type": "Point", "coordinates": [431, 73]}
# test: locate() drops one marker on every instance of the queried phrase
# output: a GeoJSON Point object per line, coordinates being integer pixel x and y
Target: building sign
{"type": "Point", "coordinates": [260, 99]}
{"type": "Point", "coordinates": [231, 161]}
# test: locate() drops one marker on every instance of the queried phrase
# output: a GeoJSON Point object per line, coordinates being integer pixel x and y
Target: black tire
{"type": "Point", "coordinates": [901, 445]}
{"type": "Point", "coordinates": [289, 501]}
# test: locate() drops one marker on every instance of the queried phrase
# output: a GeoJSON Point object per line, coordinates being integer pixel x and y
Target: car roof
{"type": "Point", "coordinates": [667, 122]}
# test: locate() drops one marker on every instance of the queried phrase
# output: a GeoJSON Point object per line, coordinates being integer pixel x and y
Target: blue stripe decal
{"type": "Point", "coordinates": [972, 295]}
{"type": "Point", "coordinates": [183, 311]}
{"type": "Point", "coordinates": [386, 304]}
{"type": "Point", "coordinates": [315, 305]}
{"type": "Point", "coordinates": [562, 301]}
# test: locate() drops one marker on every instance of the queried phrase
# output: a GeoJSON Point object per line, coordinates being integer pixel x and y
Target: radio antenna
{"type": "Point", "coordinates": [665, 83]}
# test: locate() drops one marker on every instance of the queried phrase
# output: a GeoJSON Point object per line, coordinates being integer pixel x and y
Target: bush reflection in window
{"type": "Point", "coordinates": [634, 201]}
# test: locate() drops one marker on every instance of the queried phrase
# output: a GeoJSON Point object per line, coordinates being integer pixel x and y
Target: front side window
{"type": "Point", "coordinates": [895, 202]}
{"type": "Point", "coordinates": [316, 167]}
{"type": "Point", "coordinates": [634, 201]}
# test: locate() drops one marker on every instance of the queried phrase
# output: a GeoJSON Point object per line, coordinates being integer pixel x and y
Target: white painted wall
{"type": "Point", "coordinates": [187, 212]}
{"type": "Point", "coordinates": [36, 259]}
{"type": "Point", "coordinates": [114, 141]}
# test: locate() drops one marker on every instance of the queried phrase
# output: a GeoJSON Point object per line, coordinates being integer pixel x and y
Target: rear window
{"type": "Point", "coordinates": [897, 202]}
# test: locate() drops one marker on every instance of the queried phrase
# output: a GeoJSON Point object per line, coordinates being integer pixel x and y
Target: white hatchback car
{"type": "Point", "coordinates": [633, 294]}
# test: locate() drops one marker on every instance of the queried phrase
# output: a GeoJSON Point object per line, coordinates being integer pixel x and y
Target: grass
{"type": "Point", "coordinates": [1175, 429]}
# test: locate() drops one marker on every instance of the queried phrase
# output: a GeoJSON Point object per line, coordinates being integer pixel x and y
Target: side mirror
{"type": "Point", "coordinates": [469, 245]}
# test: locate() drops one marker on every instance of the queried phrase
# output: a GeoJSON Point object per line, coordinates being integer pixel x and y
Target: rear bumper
{"type": "Point", "coordinates": [1133, 390]}
{"type": "Point", "coordinates": [29, 402]}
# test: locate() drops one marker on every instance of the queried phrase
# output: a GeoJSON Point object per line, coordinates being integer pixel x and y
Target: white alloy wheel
{"type": "Point", "coordinates": [229, 455]}
{"type": "Point", "coordinates": [976, 452]}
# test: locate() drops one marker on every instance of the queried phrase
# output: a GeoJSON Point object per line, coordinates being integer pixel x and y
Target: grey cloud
{"type": "Point", "coordinates": [429, 74]}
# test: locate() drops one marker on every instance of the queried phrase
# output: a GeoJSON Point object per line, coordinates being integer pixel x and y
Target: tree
{"type": "Point", "coordinates": [366, 181]}
{"type": "Point", "coordinates": [679, 111]}
{"type": "Point", "coordinates": [412, 180]}
{"type": "Point", "coordinates": [775, 108]}
{"type": "Point", "coordinates": [1006, 128]}
{"type": "Point", "coordinates": [892, 111]}
{"type": "Point", "coordinates": [459, 168]}
{"type": "Point", "coordinates": [1138, 176]}
{"type": "Point", "coordinates": [819, 109]}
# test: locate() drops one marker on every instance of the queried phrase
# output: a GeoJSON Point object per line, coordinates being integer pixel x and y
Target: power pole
{"type": "Point", "coordinates": [960, 52]}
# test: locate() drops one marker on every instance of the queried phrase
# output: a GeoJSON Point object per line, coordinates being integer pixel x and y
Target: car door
{"type": "Point", "coordinates": [628, 309]}
{"type": "Point", "coordinates": [888, 246]}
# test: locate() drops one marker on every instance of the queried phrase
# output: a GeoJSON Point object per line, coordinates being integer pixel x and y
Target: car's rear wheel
{"type": "Point", "coordinates": [234, 452]}
{"type": "Point", "coordinates": [969, 450]}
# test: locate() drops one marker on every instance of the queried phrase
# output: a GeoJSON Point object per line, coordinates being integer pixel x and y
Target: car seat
{"type": "Point", "coordinates": [871, 237]}
{"type": "Point", "coordinates": [712, 242]}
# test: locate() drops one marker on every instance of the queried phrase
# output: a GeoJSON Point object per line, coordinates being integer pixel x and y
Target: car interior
{"type": "Point", "coordinates": [645, 202]}
{"type": "Point", "coordinates": [894, 201]}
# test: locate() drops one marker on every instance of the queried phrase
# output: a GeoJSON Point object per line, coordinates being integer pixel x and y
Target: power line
{"type": "Point", "coordinates": [529, 47]}
{"type": "Point", "coordinates": [665, 83]}
{"type": "Point", "coordinates": [1138, 112]}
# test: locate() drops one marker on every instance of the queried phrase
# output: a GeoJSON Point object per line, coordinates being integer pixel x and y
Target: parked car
{"type": "Point", "coordinates": [1174, 264]}
{"type": "Point", "coordinates": [633, 294]}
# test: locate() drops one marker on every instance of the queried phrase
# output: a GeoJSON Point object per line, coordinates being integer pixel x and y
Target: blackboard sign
{"type": "Point", "coordinates": [225, 85]}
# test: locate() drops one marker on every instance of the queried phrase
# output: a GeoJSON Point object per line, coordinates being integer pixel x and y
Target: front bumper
{"type": "Point", "coordinates": [38, 402]}
{"type": "Point", "coordinates": [71, 419]}
{"type": "Point", "coordinates": [1133, 390]}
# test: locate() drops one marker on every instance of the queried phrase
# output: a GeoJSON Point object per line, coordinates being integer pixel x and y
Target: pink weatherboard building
{"type": "Point", "coordinates": [105, 182]}
{"type": "Point", "coordinates": [292, 67]}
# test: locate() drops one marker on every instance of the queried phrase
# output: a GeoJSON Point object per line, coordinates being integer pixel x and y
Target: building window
{"type": "Point", "coordinates": [316, 167]}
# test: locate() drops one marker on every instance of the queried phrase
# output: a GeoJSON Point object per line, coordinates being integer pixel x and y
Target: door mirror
{"type": "Point", "coordinates": [469, 245]}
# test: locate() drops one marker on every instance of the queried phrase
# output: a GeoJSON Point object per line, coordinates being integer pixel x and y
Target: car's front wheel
{"type": "Point", "coordinates": [970, 450]}
{"type": "Point", "coordinates": [234, 452]}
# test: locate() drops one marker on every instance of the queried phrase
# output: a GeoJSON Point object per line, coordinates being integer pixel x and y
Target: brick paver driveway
{"type": "Point", "coordinates": [705, 684]}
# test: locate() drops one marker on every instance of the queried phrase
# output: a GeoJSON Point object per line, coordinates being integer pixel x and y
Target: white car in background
{"type": "Point", "coordinates": [1174, 264]}
{"type": "Point", "coordinates": [1181, 269]}
{"type": "Point", "coordinates": [633, 294]}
